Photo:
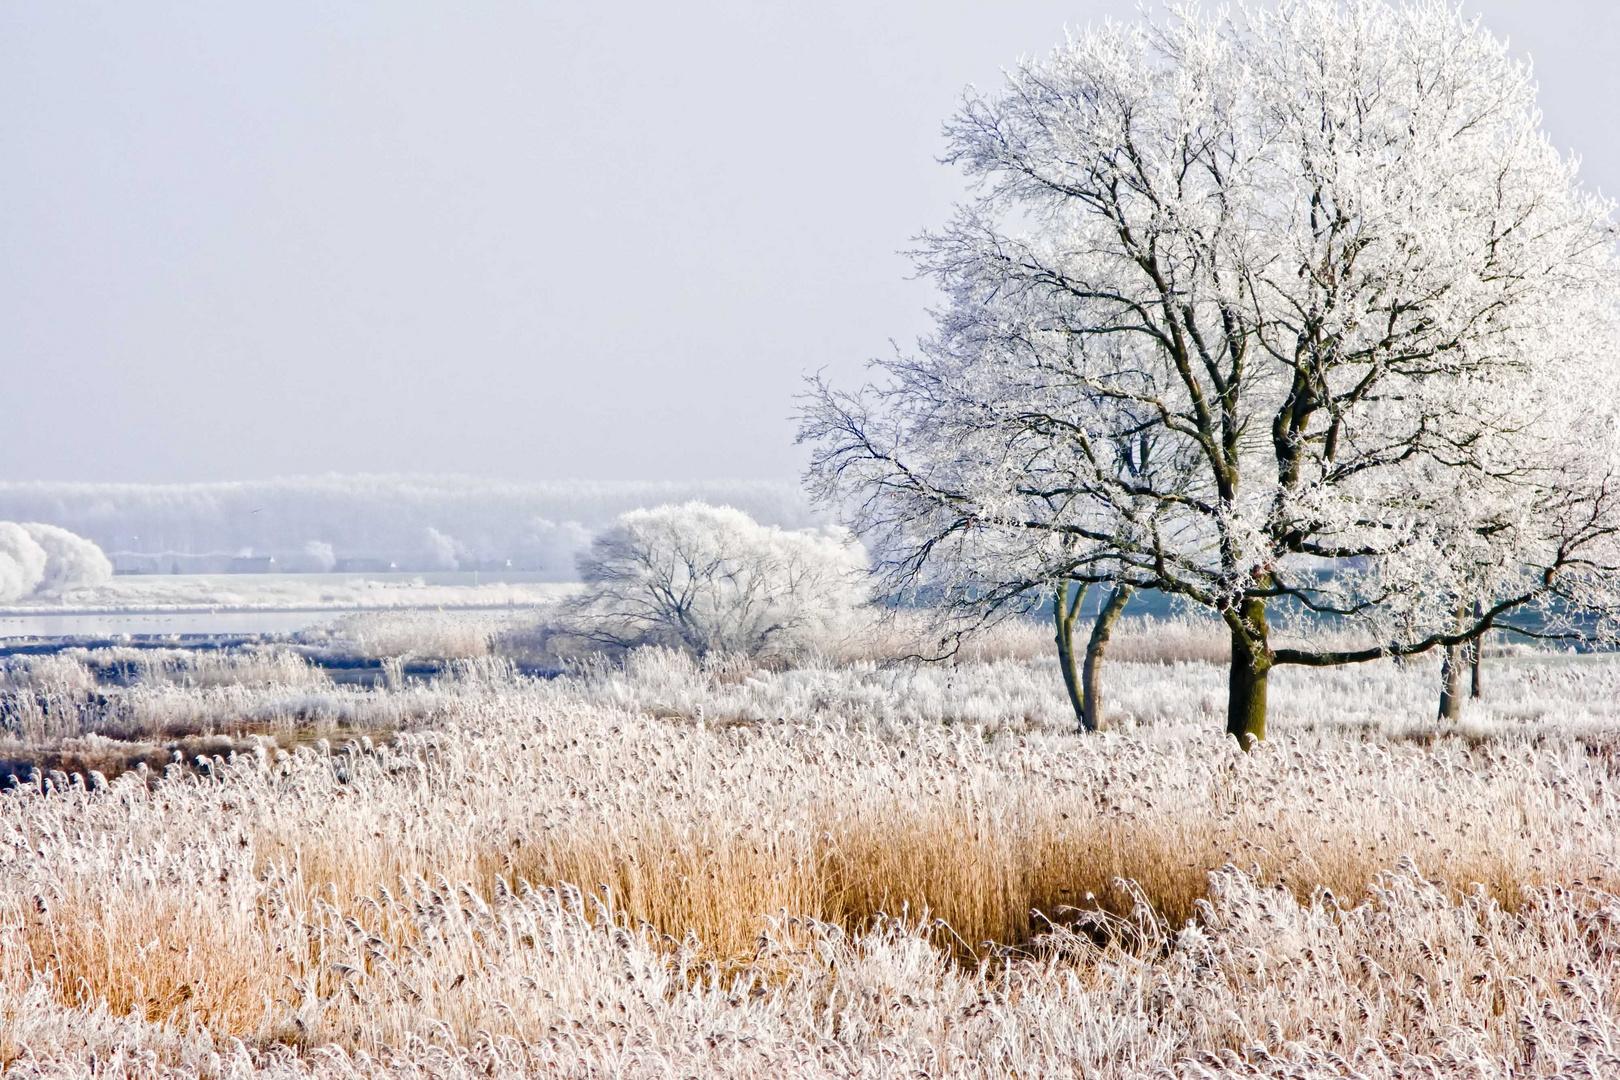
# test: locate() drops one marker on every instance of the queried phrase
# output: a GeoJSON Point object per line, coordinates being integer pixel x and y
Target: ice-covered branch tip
{"type": "Point", "coordinates": [44, 560]}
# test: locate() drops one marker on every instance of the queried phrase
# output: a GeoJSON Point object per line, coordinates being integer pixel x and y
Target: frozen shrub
{"type": "Point", "coordinates": [71, 561]}
{"type": "Point", "coordinates": [22, 562]}
{"type": "Point", "coordinates": [707, 579]}
{"type": "Point", "coordinates": [447, 635]}
{"type": "Point", "coordinates": [44, 560]}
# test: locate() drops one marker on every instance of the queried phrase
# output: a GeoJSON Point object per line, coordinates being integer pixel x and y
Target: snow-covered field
{"type": "Point", "coordinates": [852, 867]}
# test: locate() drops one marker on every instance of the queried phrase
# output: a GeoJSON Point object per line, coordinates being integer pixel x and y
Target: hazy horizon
{"type": "Point", "coordinates": [418, 522]}
{"type": "Point", "coordinates": [573, 242]}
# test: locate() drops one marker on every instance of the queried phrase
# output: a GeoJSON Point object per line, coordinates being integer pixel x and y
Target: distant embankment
{"type": "Point", "coordinates": [366, 522]}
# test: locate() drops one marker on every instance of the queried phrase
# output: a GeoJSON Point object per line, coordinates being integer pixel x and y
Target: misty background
{"type": "Point", "coordinates": [368, 524]}
{"type": "Point", "coordinates": [545, 245]}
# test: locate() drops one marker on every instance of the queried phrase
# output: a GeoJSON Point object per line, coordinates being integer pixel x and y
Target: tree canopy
{"type": "Point", "coordinates": [1283, 304]}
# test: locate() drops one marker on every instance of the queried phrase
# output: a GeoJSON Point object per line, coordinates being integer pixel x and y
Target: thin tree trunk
{"type": "Point", "coordinates": [1246, 686]}
{"type": "Point", "coordinates": [1063, 614]}
{"type": "Point", "coordinates": [1476, 651]}
{"type": "Point", "coordinates": [1092, 718]}
{"type": "Point", "coordinates": [1453, 662]}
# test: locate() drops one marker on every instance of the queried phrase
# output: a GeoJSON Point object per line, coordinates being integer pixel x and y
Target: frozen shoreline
{"type": "Point", "coordinates": [201, 594]}
{"type": "Point", "coordinates": [267, 603]}
{"type": "Point", "coordinates": [42, 612]}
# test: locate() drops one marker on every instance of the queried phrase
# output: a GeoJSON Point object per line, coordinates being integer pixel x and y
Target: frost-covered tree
{"type": "Point", "coordinates": [22, 562]}
{"type": "Point", "coordinates": [71, 561]}
{"type": "Point", "coordinates": [46, 560]}
{"type": "Point", "coordinates": [1288, 305]}
{"type": "Point", "coordinates": [710, 579]}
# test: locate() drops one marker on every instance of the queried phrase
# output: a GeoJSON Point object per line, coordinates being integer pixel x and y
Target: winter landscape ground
{"type": "Point", "coordinates": [1287, 324]}
{"type": "Point", "coordinates": [241, 861]}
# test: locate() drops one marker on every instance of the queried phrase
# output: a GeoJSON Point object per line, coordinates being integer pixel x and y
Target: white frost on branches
{"type": "Point", "coordinates": [709, 579]}
{"type": "Point", "coordinates": [44, 560]}
{"type": "Point", "coordinates": [1295, 303]}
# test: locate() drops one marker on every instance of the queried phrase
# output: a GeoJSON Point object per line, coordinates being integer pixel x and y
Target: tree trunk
{"type": "Point", "coordinates": [1091, 676]}
{"type": "Point", "coordinates": [1452, 664]}
{"type": "Point", "coordinates": [1246, 687]}
{"type": "Point", "coordinates": [1063, 614]}
{"type": "Point", "coordinates": [1476, 688]}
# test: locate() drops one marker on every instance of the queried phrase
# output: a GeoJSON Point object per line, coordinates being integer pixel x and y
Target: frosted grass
{"type": "Point", "coordinates": [830, 870]}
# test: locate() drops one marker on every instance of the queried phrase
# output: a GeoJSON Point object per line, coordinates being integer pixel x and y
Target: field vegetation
{"type": "Point", "coordinates": [849, 865]}
{"type": "Point", "coordinates": [1291, 314]}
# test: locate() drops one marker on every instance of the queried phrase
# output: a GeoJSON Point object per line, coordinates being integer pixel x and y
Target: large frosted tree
{"type": "Point", "coordinates": [1293, 305]}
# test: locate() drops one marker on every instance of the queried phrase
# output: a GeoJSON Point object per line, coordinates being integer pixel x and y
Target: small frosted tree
{"type": "Point", "coordinates": [46, 560]}
{"type": "Point", "coordinates": [708, 579]}
{"type": "Point", "coordinates": [1294, 305]}
{"type": "Point", "coordinates": [71, 561]}
{"type": "Point", "coordinates": [22, 562]}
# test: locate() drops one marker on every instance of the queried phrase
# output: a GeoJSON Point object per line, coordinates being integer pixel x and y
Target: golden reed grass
{"type": "Point", "coordinates": [558, 881]}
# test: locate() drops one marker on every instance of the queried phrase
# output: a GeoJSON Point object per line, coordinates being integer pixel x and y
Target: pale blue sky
{"type": "Point", "coordinates": [539, 241]}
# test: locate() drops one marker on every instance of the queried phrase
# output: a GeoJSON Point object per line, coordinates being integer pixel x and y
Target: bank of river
{"type": "Point", "coordinates": [143, 623]}
{"type": "Point", "coordinates": [194, 621]}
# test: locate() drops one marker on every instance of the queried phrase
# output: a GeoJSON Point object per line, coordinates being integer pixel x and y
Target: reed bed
{"type": "Point", "coordinates": [109, 709]}
{"type": "Point", "coordinates": [438, 634]}
{"type": "Point", "coordinates": [842, 869]}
